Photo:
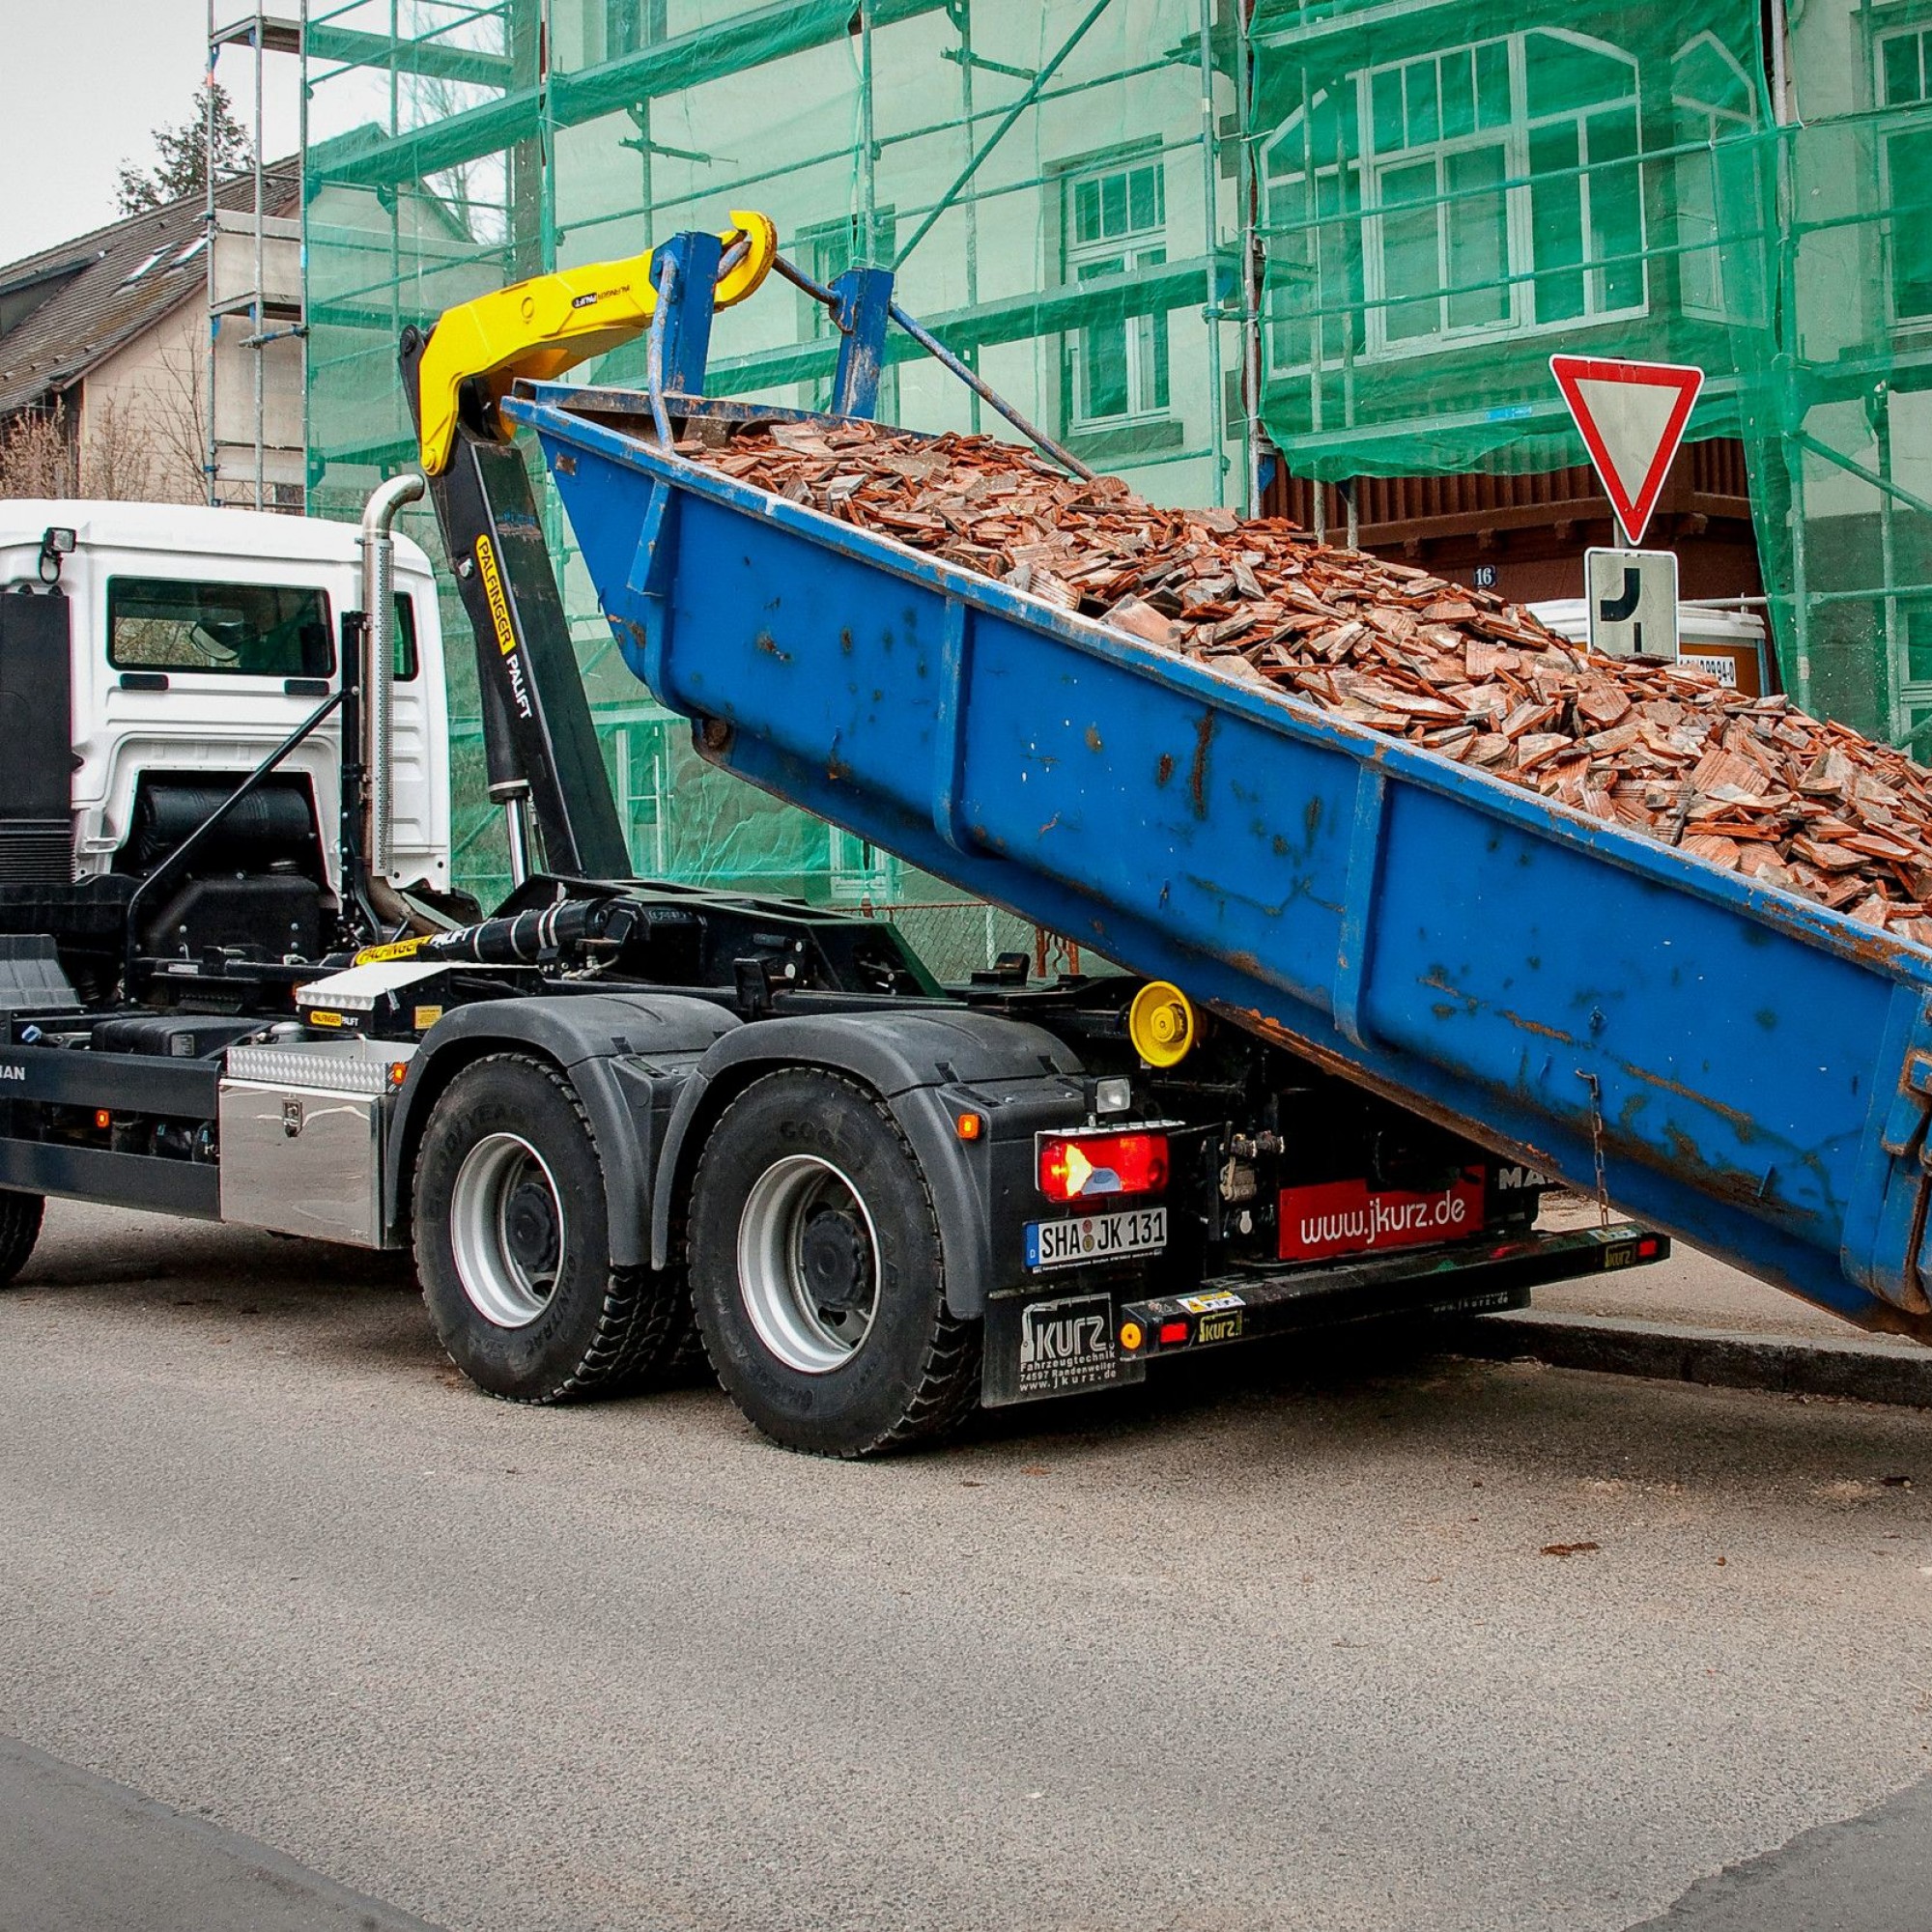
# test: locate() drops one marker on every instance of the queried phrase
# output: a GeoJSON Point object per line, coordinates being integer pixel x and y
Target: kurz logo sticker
{"type": "Point", "coordinates": [1067, 1343]}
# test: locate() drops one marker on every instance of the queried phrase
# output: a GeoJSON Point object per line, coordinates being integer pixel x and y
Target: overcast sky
{"type": "Point", "coordinates": [85, 83]}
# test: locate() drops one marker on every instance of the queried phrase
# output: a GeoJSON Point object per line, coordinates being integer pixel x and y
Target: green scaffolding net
{"type": "Point", "coordinates": [1057, 187]}
{"type": "Point", "coordinates": [1445, 197]}
{"type": "Point", "coordinates": [1836, 390]}
{"type": "Point", "coordinates": [1182, 236]}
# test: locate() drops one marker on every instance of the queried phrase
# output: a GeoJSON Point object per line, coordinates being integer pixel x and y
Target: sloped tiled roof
{"type": "Point", "coordinates": [93, 300]}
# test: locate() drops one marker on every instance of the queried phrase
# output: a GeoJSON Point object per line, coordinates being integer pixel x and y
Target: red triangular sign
{"type": "Point", "coordinates": [1632, 416]}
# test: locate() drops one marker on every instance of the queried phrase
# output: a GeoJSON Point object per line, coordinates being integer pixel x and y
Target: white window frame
{"type": "Point", "coordinates": [1376, 164]}
{"type": "Point", "coordinates": [1134, 249]}
{"type": "Point", "coordinates": [1913, 322]}
{"type": "Point", "coordinates": [1288, 180]}
{"type": "Point", "coordinates": [1715, 121]}
{"type": "Point", "coordinates": [1592, 271]}
{"type": "Point", "coordinates": [600, 16]}
{"type": "Point", "coordinates": [809, 249]}
{"type": "Point", "coordinates": [1518, 318]}
{"type": "Point", "coordinates": [1911, 30]}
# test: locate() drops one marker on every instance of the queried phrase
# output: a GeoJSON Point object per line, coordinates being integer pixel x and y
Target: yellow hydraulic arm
{"type": "Point", "coordinates": [541, 327]}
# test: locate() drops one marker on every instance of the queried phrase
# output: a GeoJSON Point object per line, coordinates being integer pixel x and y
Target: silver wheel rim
{"type": "Point", "coordinates": [506, 1261]}
{"type": "Point", "coordinates": [803, 1221]}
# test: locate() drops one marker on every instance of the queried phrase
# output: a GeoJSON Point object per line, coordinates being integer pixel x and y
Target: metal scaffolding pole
{"type": "Point", "coordinates": [1217, 424]}
{"type": "Point", "coordinates": [999, 134]}
{"type": "Point", "coordinates": [257, 315]}
{"type": "Point", "coordinates": [868, 164]}
{"type": "Point", "coordinates": [1317, 312]}
{"type": "Point", "coordinates": [1253, 366]}
{"type": "Point", "coordinates": [262, 34]}
{"type": "Point", "coordinates": [962, 18]}
{"type": "Point", "coordinates": [211, 458]}
{"type": "Point", "coordinates": [1897, 669]}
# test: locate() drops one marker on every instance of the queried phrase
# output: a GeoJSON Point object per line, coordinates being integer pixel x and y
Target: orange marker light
{"type": "Point", "coordinates": [102, 1118]}
{"type": "Point", "coordinates": [969, 1127]}
{"type": "Point", "coordinates": [1131, 1336]}
{"type": "Point", "coordinates": [399, 1072]}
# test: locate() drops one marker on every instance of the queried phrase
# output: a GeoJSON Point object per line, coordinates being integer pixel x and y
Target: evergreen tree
{"type": "Point", "coordinates": [182, 167]}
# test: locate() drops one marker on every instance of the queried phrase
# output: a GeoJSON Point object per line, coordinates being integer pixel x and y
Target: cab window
{"type": "Point", "coordinates": [253, 630]}
{"type": "Point", "coordinates": [403, 656]}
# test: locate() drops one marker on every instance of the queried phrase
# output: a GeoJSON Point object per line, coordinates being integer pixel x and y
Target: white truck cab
{"type": "Point", "coordinates": [199, 639]}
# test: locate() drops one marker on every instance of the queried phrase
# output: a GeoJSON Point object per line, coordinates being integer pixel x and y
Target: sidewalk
{"type": "Point", "coordinates": [1690, 1289]}
{"type": "Point", "coordinates": [1692, 1319]}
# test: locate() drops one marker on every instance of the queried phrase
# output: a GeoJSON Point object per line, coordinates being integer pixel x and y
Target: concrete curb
{"type": "Point", "coordinates": [1863, 1371]}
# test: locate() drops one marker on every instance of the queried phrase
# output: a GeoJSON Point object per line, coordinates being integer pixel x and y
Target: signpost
{"type": "Point", "coordinates": [1631, 417]}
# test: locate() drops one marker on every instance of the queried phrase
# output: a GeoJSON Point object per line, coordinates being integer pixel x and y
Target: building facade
{"type": "Point", "coordinates": [134, 350]}
{"type": "Point", "coordinates": [1302, 255]}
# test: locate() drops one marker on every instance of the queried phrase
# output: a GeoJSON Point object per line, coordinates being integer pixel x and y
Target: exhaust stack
{"type": "Point", "coordinates": [379, 634]}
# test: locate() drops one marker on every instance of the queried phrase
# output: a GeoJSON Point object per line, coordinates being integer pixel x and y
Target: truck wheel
{"type": "Point", "coordinates": [19, 1229]}
{"type": "Point", "coordinates": [817, 1273]}
{"type": "Point", "coordinates": [512, 1246]}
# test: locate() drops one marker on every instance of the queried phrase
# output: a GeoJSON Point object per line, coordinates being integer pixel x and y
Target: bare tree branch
{"type": "Point", "coordinates": [36, 457]}
{"type": "Point", "coordinates": [117, 456]}
{"type": "Point", "coordinates": [179, 431]}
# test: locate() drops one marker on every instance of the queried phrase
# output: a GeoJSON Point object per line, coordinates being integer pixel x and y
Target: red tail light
{"type": "Point", "coordinates": [1096, 1164]}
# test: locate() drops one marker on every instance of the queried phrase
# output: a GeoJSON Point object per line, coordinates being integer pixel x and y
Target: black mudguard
{"type": "Point", "coordinates": [628, 1055]}
{"type": "Point", "coordinates": [928, 1067]}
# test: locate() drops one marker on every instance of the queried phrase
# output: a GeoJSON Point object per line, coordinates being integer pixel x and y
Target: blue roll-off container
{"type": "Point", "coordinates": [1727, 1061]}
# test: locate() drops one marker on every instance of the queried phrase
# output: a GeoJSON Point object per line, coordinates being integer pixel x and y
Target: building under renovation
{"type": "Point", "coordinates": [1304, 256]}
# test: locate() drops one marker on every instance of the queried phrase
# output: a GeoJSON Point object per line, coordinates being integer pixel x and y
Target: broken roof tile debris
{"type": "Point", "coordinates": [1747, 783]}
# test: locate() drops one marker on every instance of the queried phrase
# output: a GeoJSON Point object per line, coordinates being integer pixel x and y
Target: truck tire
{"type": "Point", "coordinates": [512, 1248]}
{"type": "Point", "coordinates": [816, 1272]}
{"type": "Point", "coordinates": [19, 1229]}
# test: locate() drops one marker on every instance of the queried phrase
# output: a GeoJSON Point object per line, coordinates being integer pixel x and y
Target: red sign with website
{"type": "Point", "coordinates": [1348, 1217]}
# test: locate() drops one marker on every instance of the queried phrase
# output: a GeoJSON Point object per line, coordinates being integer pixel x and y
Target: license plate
{"type": "Point", "coordinates": [1096, 1238]}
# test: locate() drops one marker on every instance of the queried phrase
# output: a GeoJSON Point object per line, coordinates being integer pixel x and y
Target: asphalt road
{"type": "Point", "coordinates": [1271, 1645]}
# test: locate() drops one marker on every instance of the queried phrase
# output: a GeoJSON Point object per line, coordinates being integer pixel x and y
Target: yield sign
{"type": "Point", "coordinates": [1632, 416]}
